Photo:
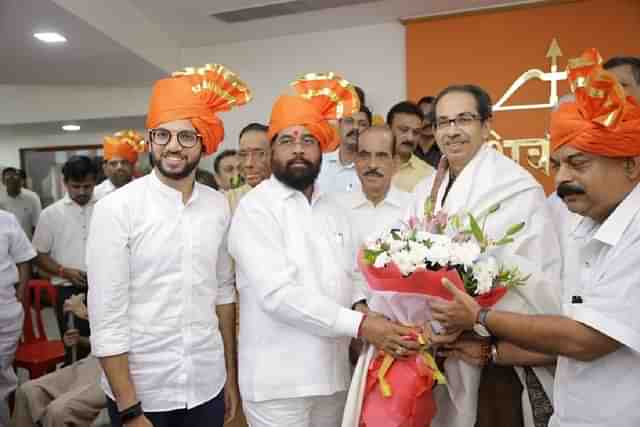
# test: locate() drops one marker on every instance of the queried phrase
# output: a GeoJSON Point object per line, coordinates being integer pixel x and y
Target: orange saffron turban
{"type": "Point", "coordinates": [126, 144]}
{"type": "Point", "coordinates": [601, 121]}
{"type": "Point", "coordinates": [197, 95]}
{"type": "Point", "coordinates": [319, 98]}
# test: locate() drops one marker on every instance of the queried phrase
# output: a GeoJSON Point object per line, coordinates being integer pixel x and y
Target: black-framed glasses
{"type": "Point", "coordinates": [186, 138]}
{"type": "Point", "coordinates": [462, 120]}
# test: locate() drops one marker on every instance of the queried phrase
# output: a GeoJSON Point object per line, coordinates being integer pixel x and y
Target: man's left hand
{"type": "Point", "coordinates": [231, 401]}
{"type": "Point", "coordinates": [460, 313]}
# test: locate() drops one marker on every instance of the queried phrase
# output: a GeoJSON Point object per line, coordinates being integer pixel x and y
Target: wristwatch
{"type": "Point", "coordinates": [480, 326]}
{"type": "Point", "coordinates": [130, 413]}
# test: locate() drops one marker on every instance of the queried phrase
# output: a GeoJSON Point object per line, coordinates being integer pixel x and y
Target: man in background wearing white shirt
{"type": "Point", "coordinates": [294, 264]}
{"type": "Point", "coordinates": [338, 171]}
{"type": "Point", "coordinates": [120, 157]}
{"type": "Point", "coordinates": [15, 254]}
{"type": "Point", "coordinates": [379, 206]}
{"type": "Point", "coordinates": [61, 237]}
{"type": "Point", "coordinates": [162, 296]}
{"type": "Point", "coordinates": [23, 203]}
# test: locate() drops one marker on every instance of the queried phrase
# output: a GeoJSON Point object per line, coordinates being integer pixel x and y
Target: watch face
{"type": "Point", "coordinates": [481, 330]}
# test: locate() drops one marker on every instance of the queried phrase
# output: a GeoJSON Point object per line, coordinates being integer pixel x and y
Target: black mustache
{"type": "Point", "coordinates": [374, 172]}
{"type": "Point", "coordinates": [565, 189]}
{"type": "Point", "coordinates": [292, 161]}
{"type": "Point", "coordinates": [353, 133]}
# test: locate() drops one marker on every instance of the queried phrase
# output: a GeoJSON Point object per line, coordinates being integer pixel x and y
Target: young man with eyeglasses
{"type": "Point", "coordinates": [120, 157]}
{"type": "Point", "coordinates": [162, 300]}
{"type": "Point", "coordinates": [475, 178]}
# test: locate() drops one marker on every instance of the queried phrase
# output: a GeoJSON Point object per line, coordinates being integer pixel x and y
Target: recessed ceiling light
{"type": "Point", "coordinates": [50, 37]}
{"type": "Point", "coordinates": [71, 128]}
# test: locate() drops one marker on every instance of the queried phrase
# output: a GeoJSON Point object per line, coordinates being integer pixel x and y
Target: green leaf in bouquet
{"type": "Point", "coordinates": [493, 209]}
{"type": "Point", "coordinates": [455, 222]}
{"type": "Point", "coordinates": [476, 231]}
{"type": "Point", "coordinates": [515, 229]}
{"type": "Point", "coordinates": [396, 235]}
{"type": "Point", "coordinates": [503, 241]}
{"type": "Point", "coordinates": [371, 255]}
{"type": "Point", "coordinates": [428, 208]}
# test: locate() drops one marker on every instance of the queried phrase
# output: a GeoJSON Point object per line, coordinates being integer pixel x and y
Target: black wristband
{"type": "Point", "coordinates": [130, 413]}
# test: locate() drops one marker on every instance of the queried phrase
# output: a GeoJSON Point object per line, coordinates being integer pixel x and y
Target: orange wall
{"type": "Point", "coordinates": [493, 48]}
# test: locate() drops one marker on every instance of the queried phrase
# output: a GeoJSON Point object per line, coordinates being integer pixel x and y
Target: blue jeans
{"type": "Point", "coordinates": [208, 414]}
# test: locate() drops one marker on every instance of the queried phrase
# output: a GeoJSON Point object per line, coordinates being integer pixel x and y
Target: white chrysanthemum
{"type": "Point", "coordinates": [372, 244]}
{"type": "Point", "coordinates": [423, 236]}
{"type": "Point", "coordinates": [466, 253]}
{"type": "Point", "coordinates": [382, 260]}
{"type": "Point", "coordinates": [485, 272]}
{"type": "Point", "coordinates": [418, 252]}
{"type": "Point", "coordinates": [396, 245]}
{"type": "Point", "coordinates": [402, 260]}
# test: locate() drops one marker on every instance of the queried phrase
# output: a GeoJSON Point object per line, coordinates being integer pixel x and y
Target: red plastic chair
{"type": "Point", "coordinates": [38, 354]}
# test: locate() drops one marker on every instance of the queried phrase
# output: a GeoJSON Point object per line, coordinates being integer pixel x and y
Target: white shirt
{"type": "Point", "coordinates": [62, 233]}
{"type": "Point", "coordinates": [14, 249]}
{"type": "Point", "coordinates": [104, 188]}
{"type": "Point", "coordinates": [294, 266]}
{"type": "Point", "coordinates": [25, 206]}
{"type": "Point", "coordinates": [368, 220]}
{"type": "Point", "coordinates": [157, 270]}
{"type": "Point", "coordinates": [336, 177]}
{"type": "Point", "coordinates": [602, 270]}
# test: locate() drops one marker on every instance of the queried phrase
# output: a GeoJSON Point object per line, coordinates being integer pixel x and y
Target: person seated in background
{"type": "Point", "coordinates": [23, 203]}
{"type": "Point", "coordinates": [67, 397]}
{"type": "Point", "coordinates": [226, 169]}
{"type": "Point", "coordinates": [255, 161]}
{"type": "Point", "coordinates": [205, 177]}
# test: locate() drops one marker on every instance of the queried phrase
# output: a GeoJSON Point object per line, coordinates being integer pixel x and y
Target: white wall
{"type": "Point", "coordinates": [371, 57]}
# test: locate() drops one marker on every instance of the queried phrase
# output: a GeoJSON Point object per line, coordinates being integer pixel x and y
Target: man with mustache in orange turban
{"type": "Point", "coordinates": [158, 267]}
{"type": "Point", "coordinates": [120, 156]}
{"type": "Point", "coordinates": [596, 158]}
{"type": "Point", "coordinates": [294, 265]}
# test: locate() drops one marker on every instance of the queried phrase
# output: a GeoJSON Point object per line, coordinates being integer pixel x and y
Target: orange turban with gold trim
{"type": "Point", "coordinates": [197, 95]}
{"type": "Point", "coordinates": [319, 98]}
{"type": "Point", "coordinates": [601, 121]}
{"type": "Point", "coordinates": [126, 144]}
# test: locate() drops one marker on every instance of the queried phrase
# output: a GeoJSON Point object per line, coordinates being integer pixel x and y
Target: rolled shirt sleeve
{"type": "Point", "coordinates": [20, 248]}
{"type": "Point", "coordinates": [225, 272]}
{"type": "Point", "coordinates": [256, 242]}
{"type": "Point", "coordinates": [109, 279]}
{"type": "Point", "coordinates": [43, 237]}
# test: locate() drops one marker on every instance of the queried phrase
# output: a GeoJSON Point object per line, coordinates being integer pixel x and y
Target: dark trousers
{"type": "Point", "coordinates": [499, 398]}
{"type": "Point", "coordinates": [209, 414]}
{"type": "Point", "coordinates": [64, 292]}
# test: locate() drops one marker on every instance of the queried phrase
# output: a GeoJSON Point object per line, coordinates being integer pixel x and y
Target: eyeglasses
{"type": "Point", "coordinates": [186, 138]}
{"type": "Point", "coordinates": [461, 121]}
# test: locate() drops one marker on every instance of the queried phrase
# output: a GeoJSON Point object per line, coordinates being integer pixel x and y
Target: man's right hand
{"type": "Point", "coordinates": [77, 277]}
{"type": "Point", "coordinates": [388, 336]}
{"type": "Point", "coordinates": [140, 421]}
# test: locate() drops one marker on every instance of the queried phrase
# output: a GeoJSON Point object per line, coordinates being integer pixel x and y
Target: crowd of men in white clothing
{"type": "Point", "coordinates": [172, 265]}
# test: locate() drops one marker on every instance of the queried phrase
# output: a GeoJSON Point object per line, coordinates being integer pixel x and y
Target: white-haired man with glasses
{"type": "Point", "coordinates": [472, 178]}
{"type": "Point", "coordinates": [162, 296]}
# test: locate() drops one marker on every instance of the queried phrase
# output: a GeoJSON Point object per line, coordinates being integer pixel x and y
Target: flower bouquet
{"type": "Point", "coordinates": [404, 269]}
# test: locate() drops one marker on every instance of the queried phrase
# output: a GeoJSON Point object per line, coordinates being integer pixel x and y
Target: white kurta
{"type": "Point", "coordinates": [294, 266]}
{"type": "Point", "coordinates": [104, 188]}
{"type": "Point", "coordinates": [488, 179]}
{"type": "Point", "coordinates": [602, 270]}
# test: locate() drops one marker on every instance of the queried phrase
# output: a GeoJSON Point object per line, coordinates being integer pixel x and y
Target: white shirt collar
{"type": "Point", "coordinates": [393, 197]}
{"type": "Point", "coordinates": [172, 192]}
{"type": "Point", "coordinates": [612, 229]}
{"type": "Point", "coordinates": [67, 200]}
{"type": "Point", "coordinates": [283, 191]}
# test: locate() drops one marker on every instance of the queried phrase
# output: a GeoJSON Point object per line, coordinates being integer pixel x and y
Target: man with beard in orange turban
{"type": "Point", "coordinates": [120, 157]}
{"type": "Point", "coordinates": [596, 158]}
{"type": "Point", "coordinates": [162, 295]}
{"type": "Point", "coordinates": [294, 264]}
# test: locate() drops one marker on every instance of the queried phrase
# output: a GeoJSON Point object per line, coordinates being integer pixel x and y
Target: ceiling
{"type": "Point", "coordinates": [93, 126]}
{"type": "Point", "coordinates": [89, 58]}
{"type": "Point", "coordinates": [130, 43]}
{"type": "Point", "coordinates": [200, 29]}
